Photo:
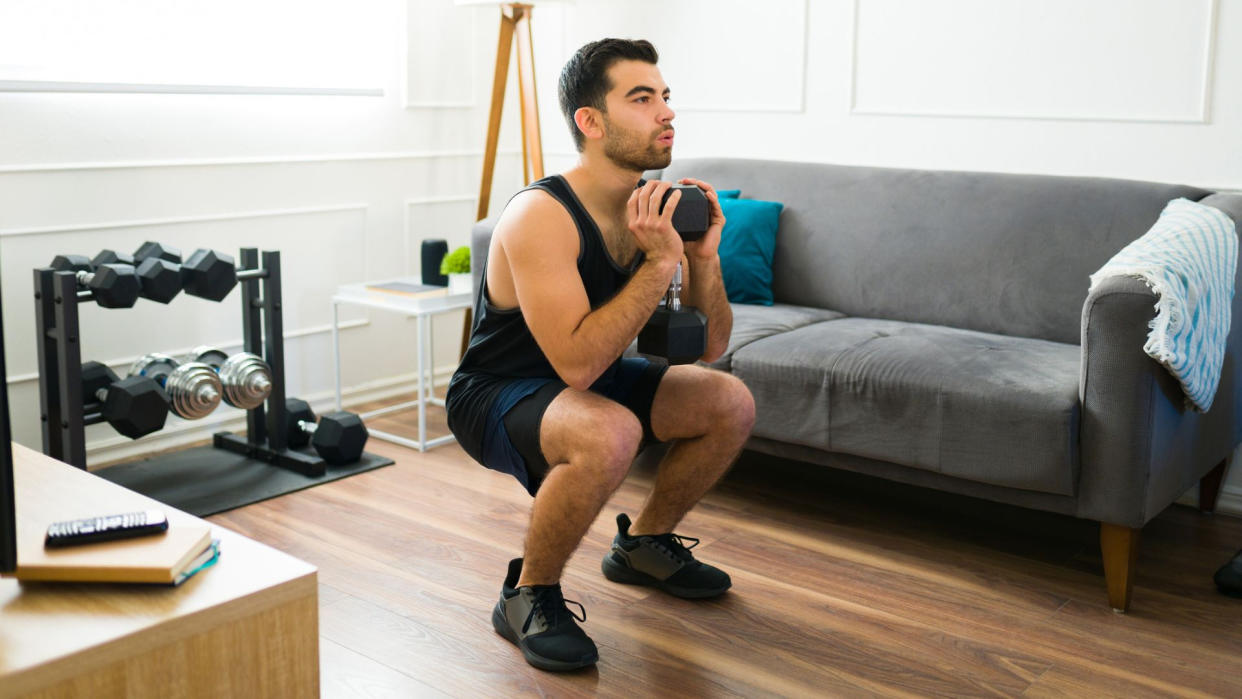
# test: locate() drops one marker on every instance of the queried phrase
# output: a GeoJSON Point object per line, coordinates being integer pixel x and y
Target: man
{"type": "Point", "coordinates": [577, 264]}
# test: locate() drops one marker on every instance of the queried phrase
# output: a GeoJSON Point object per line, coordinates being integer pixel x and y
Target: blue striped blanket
{"type": "Point", "coordinates": [1188, 258]}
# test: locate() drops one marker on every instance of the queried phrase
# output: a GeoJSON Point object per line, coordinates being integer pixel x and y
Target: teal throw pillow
{"type": "Point", "coordinates": [728, 193]}
{"type": "Point", "coordinates": [747, 245]}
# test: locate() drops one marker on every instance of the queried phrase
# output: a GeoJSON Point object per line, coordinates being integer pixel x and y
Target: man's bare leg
{"type": "Point", "coordinates": [591, 442]}
{"type": "Point", "coordinates": [710, 414]}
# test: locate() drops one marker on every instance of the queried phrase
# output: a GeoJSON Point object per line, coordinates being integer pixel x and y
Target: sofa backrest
{"type": "Point", "coordinates": [1008, 254]}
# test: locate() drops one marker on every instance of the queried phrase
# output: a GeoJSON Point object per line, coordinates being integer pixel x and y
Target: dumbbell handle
{"type": "Point", "coordinates": [672, 297]}
{"type": "Point", "coordinates": [307, 427]}
{"type": "Point", "coordinates": [84, 279]}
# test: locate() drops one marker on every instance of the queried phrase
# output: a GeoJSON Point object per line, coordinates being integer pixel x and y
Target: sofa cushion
{"type": "Point", "coordinates": [984, 407]}
{"type": "Point", "coordinates": [752, 323]}
{"type": "Point", "coordinates": [747, 244]}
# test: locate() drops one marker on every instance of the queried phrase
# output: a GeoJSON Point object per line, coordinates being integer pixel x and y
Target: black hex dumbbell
{"type": "Point", "coordinates": [677, 333]}
{"type": "Point", "coordinates": [134, 406]}
{"type": "Point", "coordinates": [113, 257]}
{"type": "Point", "coordinates": [208, 274]}
{"type": "Point", "coordinates": [693, 214]}
{"type": "Point", "coordinates": [158, 280]}
{"type": "Point", "coordinates": [338, 437]}
{"type": "Point", "coordinates": [109, 285]}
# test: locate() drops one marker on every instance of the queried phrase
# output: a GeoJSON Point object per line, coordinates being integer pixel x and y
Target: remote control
{"type": "Point", "coordinates": [106, 528]}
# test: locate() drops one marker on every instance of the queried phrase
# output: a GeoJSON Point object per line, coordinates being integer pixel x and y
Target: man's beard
{"type": "Point", "coordinates": [632, 151]}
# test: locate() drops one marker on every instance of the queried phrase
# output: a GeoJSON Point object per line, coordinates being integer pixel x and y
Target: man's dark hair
{"type": "Point", "coordinates": [584, 79]}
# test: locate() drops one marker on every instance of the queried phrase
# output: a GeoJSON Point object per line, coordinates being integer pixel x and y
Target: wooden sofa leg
{"type": "Point", "coordinates": [1120, 548]}
{"type": "Point", "coordinates": [1209, 486]}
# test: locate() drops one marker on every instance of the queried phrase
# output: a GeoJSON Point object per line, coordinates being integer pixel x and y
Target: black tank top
{"type": "Point", "coordinates": [501, 346]}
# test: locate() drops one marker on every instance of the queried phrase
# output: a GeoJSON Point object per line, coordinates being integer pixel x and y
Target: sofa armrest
{"type": "Point", "coordinates": [480, 240]}
{"type": "Point", "coordinates": [1141, 447]}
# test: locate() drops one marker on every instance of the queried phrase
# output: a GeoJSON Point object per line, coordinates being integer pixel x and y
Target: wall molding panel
{"type": "Point", "coordinates": [225, 162]}
{"type": "Point", "coordinates": [177, 220]}
{"type": "Point", "coordinates": [1180, 74]}
{"type": "Point", "coordinates": [408, 219]}
{"type": "Point", "coordinates": [178, 89]}
{"type": "Point", "coordinates": [126, 362]}
{"type": "Point", "coordinates": [352, 235]}
{"type": "Point", "coordinates": [466, 33]}
{"type": "Point", "coordinates": [590, 19]}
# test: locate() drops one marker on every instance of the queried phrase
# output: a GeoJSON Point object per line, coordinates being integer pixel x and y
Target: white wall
{"type": "Point", "coordinates": [1139, 89]}
{"type": "Point", "coordinates": [345, 186]}
{"type": "Point", "coordinates": [1143, 89]}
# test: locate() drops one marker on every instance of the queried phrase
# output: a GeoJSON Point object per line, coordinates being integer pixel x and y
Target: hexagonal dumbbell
{"type": "Point", "coordinates": [151, 249]}
{"type": "Point", "coordinates": [677, 333]}
{"type": "Point", "coordinates": [208, 274]}
{"type": "Point", "coordinates": [159, 268]}
{"type": "Point", "coordinates": [193, 388]}
{"type": "Point", "coordinates": [158, 279]}
{"type": "Point", "coordinates": [246, 378]}
{"type": "Point", "coordinates": [134, 406]}
{"type": "Point", "coordinates": [113, 257]}
{"type": "Point", "coordinates": [110, 285]}
{"type": "Point", "coordinates": [338, 438]}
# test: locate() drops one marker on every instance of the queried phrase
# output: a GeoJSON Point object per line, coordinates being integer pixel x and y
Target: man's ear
{"type": "Point", "coordinates": [590, 122]}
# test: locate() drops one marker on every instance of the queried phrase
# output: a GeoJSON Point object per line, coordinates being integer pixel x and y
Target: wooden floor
{"type": "Point", "coordinates": [843, 586]}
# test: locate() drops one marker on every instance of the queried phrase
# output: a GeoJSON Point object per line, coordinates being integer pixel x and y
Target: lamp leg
{"type": "Point", "coordinates": [503, 48]}
{"type": "Point", "coordinates": [531, 143]}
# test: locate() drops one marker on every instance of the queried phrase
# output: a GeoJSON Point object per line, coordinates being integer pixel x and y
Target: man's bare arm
{"type": "Point", "coordinates": [540, 244]}
{"type": "Point", "coordinates": [704, 289]}
{"type": "Point", "coordinates": [703, 286]}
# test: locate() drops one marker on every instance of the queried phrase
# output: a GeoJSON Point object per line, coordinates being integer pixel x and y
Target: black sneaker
{"type": "Point", "coordinates": [1229, 577]}
{"type": "Point", "coordinates": [662, 561]}
{"type": "Point", "coordinates": [536, 619]}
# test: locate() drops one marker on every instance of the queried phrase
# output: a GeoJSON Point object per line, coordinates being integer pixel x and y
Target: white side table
{"type": "Point", "coordinates": [422, 307]}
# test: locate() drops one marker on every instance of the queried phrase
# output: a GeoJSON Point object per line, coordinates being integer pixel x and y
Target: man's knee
{"type": "Point", "coordinates": [611, 438]}
{"type": "Point", "coordinates": [733, 406]}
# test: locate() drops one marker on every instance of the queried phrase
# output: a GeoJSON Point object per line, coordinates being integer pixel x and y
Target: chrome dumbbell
{"type": "Point", "coordinates": [246, 378]}
{"type": "Point", "coordinates": [193, 388]}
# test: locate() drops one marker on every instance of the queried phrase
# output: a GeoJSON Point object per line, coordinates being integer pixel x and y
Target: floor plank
{"type": "Point", "coordinates": [843, 585]}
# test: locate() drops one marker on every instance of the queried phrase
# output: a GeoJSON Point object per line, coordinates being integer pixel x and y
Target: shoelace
{"type": "Point", "coordinates": [551, 606]}
{"type": "Point", "coordinates": [675, 544]}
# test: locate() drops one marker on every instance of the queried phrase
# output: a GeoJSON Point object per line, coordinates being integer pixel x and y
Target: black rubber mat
{"type": "Point", "coordinates": [206, 480]}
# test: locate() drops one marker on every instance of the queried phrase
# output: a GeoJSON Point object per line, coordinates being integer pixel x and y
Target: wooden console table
{"type": "Point", "coordinates": [246, 627]}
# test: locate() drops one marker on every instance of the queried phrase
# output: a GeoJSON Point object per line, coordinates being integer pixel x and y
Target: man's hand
{"type": "Point", "coordinates": [653, 231]}
{"type": "Point", "coordinates": [706, 248]}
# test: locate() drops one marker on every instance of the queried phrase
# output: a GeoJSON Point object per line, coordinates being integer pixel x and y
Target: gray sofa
{"type": "Point", "coordinates": [934, 328]}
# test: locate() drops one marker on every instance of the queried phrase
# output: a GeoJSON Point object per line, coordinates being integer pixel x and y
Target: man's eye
{"type": "Point", "coordinates": [643, 99]}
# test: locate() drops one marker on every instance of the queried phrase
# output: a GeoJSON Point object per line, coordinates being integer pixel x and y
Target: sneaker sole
{"type": "Point", "coordinates": [501, 625]}
{"type": "Point", "coordinates": [628, 576]}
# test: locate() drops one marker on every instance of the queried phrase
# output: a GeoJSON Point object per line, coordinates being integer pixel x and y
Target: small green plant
{"type": "Point", "coordinates": [456, 262]}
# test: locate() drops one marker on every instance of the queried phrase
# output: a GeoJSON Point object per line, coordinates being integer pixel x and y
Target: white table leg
{"type": "Point", "coordinates": [422, 397]}
{"type": "Point", "coordinates": [336, 350]}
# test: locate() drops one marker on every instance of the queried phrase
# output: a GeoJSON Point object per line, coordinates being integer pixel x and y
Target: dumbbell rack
{"type": "Point", "coordinates": [60, 367]}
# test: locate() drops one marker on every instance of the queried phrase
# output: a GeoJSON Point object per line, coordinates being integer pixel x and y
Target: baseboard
{"type": "Point", "coordinates": [182, 433]}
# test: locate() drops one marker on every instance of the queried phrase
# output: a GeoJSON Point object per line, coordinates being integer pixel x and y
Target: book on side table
{"type": "Point", "coordinates": [163, 559]}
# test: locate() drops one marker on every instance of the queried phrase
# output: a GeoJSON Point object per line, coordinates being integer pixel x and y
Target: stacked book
{"type": "Point", "coordinates": [168, 558]}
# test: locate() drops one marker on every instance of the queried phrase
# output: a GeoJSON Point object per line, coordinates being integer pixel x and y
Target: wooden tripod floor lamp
{"type": "Point", "coordinates": [515, 19]}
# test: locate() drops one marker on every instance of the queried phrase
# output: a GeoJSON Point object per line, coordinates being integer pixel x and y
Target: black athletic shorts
{"type": "Point", "coordinates": [633, 385]}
